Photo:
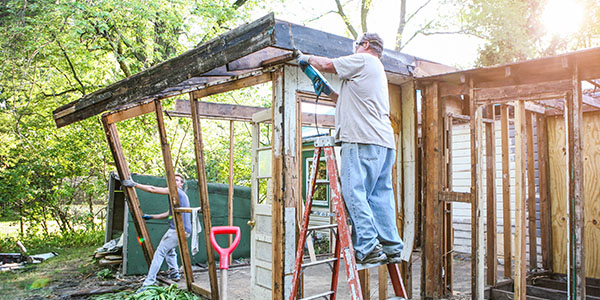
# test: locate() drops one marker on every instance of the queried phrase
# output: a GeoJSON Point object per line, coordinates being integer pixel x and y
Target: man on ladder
{"type": "Point", "coordinates": [363, 127]}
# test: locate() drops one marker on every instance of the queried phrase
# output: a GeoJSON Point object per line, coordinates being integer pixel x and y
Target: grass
{"type": "Point", "coordinates": [33, 280]}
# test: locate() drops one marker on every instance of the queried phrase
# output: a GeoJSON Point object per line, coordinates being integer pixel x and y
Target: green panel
{"type": "Point", "coordinates": [155, 204]}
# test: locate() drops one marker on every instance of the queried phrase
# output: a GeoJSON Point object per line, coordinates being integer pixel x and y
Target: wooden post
{"type": "Point", "coordinates": [575, 197]}
{"type": "Point", "coordinates": [545, 208]}
{"type": "Point", "coordinates": [174, 196]}
{"type": "Point", "coordinates": [520, 269]}
{"type": "Point", "coordinates": [448, 230]}
{"type": "Point", "coordinates": [133, 202]}
{"type": "Point", "coordinates": [203, 195]}
{"type": "Point", "coordinates": [382, 276]}
{"type": "Point", "coordinates": [365, 283]}
{"type": "Point", "coordinates": [230, 189]}
{"type": "Point", "coordinates": [477, 268]}
{"type": "Point", "coordinates": [490, 164]}
{"type": "Point", "coordinates": [432, 232]}
{"type": "Point", "coordinates": [506, 215]}
{"type": "Point", "coordinates": [278, 203]}
{"type": "Point", "coordinates": [531, 205]}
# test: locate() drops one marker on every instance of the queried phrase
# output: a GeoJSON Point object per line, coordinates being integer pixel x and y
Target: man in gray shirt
{"type": "Point", "coordinates": [362, 125]}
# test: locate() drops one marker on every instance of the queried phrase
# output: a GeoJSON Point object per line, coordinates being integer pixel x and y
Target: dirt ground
{"type": "Point", "coordinates": [317, 280]}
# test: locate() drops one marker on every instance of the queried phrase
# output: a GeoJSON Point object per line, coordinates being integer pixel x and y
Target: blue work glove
{"type": "Point", "coordinates": [301, 57]}
{"type": "Point", "coordinates": [146, 217]}
{"type": "Point", "coordinates": [128, 183]}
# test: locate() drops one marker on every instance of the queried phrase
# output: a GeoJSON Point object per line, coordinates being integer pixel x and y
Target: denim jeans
{"type": "Point", "coordinates": [165, 251]}
{"type": "Point", "coordinates": [366, 178]}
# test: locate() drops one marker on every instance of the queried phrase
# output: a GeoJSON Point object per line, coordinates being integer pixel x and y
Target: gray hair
{"type": "Point", "coordinates": [375, 42]}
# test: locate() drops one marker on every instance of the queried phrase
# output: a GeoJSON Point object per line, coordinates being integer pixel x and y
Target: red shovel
{"type": "Point", "coordinates": [224, 253]}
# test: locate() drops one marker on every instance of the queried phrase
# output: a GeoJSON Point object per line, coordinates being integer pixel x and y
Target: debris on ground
{"type": "Point", "coordinates": [14, 261]}
{"type": "Point", "coordinates": [111, 253]}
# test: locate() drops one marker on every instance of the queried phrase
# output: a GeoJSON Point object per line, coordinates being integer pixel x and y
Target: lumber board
{"type": "Point", "coordinates": [490, 164]}
{"type": "Point", "coordinates": [230, 185]}
{"type": "Point", "coordinates": [451, 196]}
{"type": "Point", "coordinates": [522, 91]}
{"type": "Point", "coordinates": [591, 153]}
{"type": "Point", "coordinates": [575, 187]}
{"type": "Point", "coordinates": [591, 290]}
{"type": "Point", "coordinates": [365, 282]}
{"type": "Point", "coordinates": [506, 215]}
{"type": "Point", "coordinates": [448, 229]}
{"type": "Point", "coordinates": [531, 200]}
{"type": "Point", "coordinates": [203, 195]}
{"type": "Point", "coordinates": [217, 52]}
{"type": "Point", "coordinates": [545, 209]}
{"type": "Point", "coordinates": [131, 112]}
{"type": "Point", "coordinates": [232, 84]}
{"type": "Point", "coordinates": [114, 143]}
{"type": "Point", "coordinates": [520, 268]}
{"type": "Point", "coordinates": [174, 196]}
{"type": "Point", "coordinates": [278, 202]}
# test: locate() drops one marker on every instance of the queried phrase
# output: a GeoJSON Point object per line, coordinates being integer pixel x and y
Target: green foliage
{"type": "Point", "coordinates": [54, 52]}
{"type": "Point", "coordinates": [39, 283]}
{"type": "Point", "coordinates": [105, 274]}
{"type": "Point", "coordinates": [54, 241]}
{"type": "Point", "coordinates": [152, 292]}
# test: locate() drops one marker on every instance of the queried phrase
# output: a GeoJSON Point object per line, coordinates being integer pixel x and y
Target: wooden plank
{"type": "Point", "coordinates": [552, 294]}
{"type": "Point", "coordinates": [522, 91]}
{"type": "Point", "coordinates": [433, 209]}
{"type": "Point", "coordinates": [490, 164]}
{"type": "Point", "coordinates": [477, 236]}
{"type": "Point", "coordinates": [591, 101]}
{"type": "Point", "coordinates": [506, 218]}
{"type": "Point", "coordinates": [497, 294]}
{"type": "Point", "coordinates": [227, 47]}
{"type": "Point", "coordinates": [562, 285]}
{"type": "Point", "coordinates": [382, 277]}
{"type": "Point", "coordinates": [448, 235]}
{"type": "Point", "coordinates": [410, 177]}
{"type": "Point", "coordinates": [575, 183]}
{"type": "Point", "coordinates": [230, 187]}
{"type": "Point", "coordinates": [531, 200]}
{"type": "Point", "coordinates": [450, 196]}
{"type": "Point", "coordinates": [231, 85]}
{"type": "Point", "coordinates": [520, 269]}
{"type": "Point", "coordinates": [545, 209]}
{"type": "Point", "coordinates": [203, 195]}
{"type": "Point", "coordinates": [128, 113]}
{"type": "Point", "coordinates": [278, 202]}
{"type": "Point", "coordinates": [591, 154]}
{"type": "Point", "coordinates": [201, 291]}
{"type": "Point", "coordinates": [174, 196]}
{"type": "Point", "coordinates": [365, 283]}
{"type": "Point", "coordinates": [133, 202]}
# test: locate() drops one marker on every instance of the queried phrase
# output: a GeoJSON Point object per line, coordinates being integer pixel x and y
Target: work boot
{"type": "Point", "coordinates": [375, 256]}
{"type": "Point", "coordinates": [394, 258]}
{"type": "Point", "coordinates": [174, 275]}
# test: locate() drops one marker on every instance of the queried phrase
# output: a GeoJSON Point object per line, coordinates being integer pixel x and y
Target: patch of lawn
{"type": "Point", "coordinates": [35, 279]}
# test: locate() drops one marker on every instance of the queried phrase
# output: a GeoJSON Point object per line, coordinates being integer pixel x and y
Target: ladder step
{"type": "Point", "coordinates": [319, 262]}
{"type": "Point", "coordinates": [322, 227]}
{"type": "Point", "coordinates": [322, 214]}
{"type": "Point", "coordinates": [319, 295]}
{"type": "Point", "coordinates": [368, 266]}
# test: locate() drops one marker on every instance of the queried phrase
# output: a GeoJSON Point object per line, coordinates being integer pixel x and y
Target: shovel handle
{"type": "Point", "coordinates": [224, 252]}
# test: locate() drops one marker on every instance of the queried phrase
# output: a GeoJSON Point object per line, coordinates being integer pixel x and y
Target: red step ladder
{"type": "Point", "coordinates": [341, 230]}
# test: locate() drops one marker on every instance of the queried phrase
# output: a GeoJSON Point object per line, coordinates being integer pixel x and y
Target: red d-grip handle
{"type": "Point", "coordinates": [224, 253]}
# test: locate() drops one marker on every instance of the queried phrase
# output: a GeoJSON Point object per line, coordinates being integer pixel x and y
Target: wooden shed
{"type": "Point", "coordinates": [255, 53]}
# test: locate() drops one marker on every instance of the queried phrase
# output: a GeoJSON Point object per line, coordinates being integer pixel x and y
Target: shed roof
{"type": "Point", "coordinates": [244, 51]}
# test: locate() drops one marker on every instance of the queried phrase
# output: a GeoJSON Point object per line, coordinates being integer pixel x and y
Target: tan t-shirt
{"type": "Point", "coordinates": [362, 112]}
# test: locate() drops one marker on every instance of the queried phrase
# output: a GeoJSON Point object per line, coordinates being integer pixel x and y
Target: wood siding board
{"type": "Point", "coordinates": [278, 203]}
{"type": "Point", "coordinates": [203, 196]}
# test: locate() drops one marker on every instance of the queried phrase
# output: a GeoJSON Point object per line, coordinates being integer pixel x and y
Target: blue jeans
{"type": "Point", "coordinates": [366, 178]}
{"type": "Point", "coordinates": [164, 251]}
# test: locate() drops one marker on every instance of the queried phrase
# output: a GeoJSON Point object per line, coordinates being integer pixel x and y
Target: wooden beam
{"type": "Point", "coordinates": [128, 113]}
{"type": "Point", "coordinates": [230, 85]}
{"type": "Point", "coordinates": [278, 203]}
{"type": "Point", "coordinates": [507, 227]}
{"type": "Point", "coordinates": [382, 277]}
{"type": "Point", "coordinates": [227, 47]}
{"type": "Point", "coordinates": [520, 270]}
{"type": "Point", "coordinates": [531, 199]}
{"type": "Point", "coordinates": [450, 196]}
{"type": "Point", "coordinates": [477, 237]}
{"type": "Point", "coordinates": [174, 196]}
{"type": "Point", "coordinates": [591, 101]}
{"type": "Point", "coordinates": [201, 291]}
{"type": "Point", "coordinates": [448, 244]}
{"type": "Point", "coordinates": [433, 211]}
{"type": "Point", "coordinates": [114, 143]}
{"type": "Point", "coordinates": [365, 283]}
{"type": "Point", "coordinates": [490, 164]}
{"type": "Point", "coordinates": [230, 187]}
{"type": "Point", "coordinates": [545, 207]}
{"type": "Point", "coordinates": [522, 91]}
{"type": "Point", "coordinates": [575, 181]}
{"type": "Point", "coordinates": [203, 195]}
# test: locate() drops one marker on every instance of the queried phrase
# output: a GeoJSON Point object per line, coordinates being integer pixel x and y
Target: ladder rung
{"type": "Point", "coordinates": [368, 266]}
{"type": "Point", "coordinates": [319, 262]}
{"type": "Point", "coordinates": [322, 214]}
{"type": "Point", "coordinates": [319, 295]}
{"type": "Point", "coordinates": [322, 227]}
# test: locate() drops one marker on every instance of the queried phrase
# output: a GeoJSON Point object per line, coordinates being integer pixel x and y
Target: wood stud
{"type": "Point", "coordinates": [531, 200]}
{"type": "Point", "coordinates": [490, 164]}
{"type": "Point", "coordinates": [520, 271]}
{"type": "Point", "coordinates": [507, 226]}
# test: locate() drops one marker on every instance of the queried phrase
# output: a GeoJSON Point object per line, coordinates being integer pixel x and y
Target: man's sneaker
{"type": "Point", "coordinates": [174, 276]}
{"type": "Point", "coordinates": [142, 289]}
{"type": "Point", "coordinates": [374, 257]}
{"type": "Point", "coordinates": [394, 258]}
